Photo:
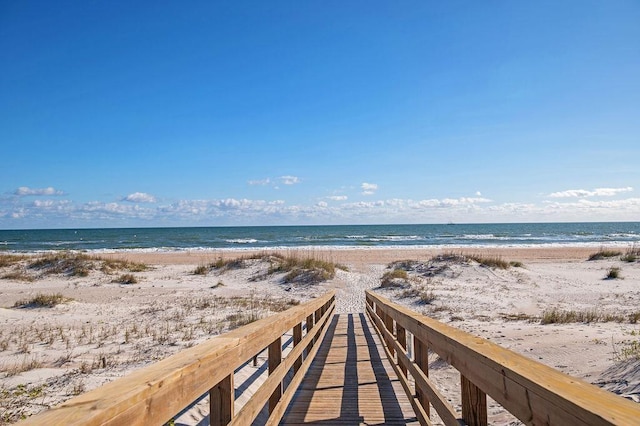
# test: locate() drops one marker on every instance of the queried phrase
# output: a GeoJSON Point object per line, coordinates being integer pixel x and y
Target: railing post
{"type": "Point", "coordinates": [318, 315]}
{"type": "Point", "coordinates": [297, 338]}
{"type": "Point", "coordinates": [275, 357]}
{"type": "Point", "coordinates": [474, 403]}
{"type": "Point", "coordinates": [402, 340]}
{"type": "Point", "coordinates": [221, 401]}
{"type": "Point", "coordinates": [388, 323]}
{"type": "Point", "coordinates": [309, 327]}
{"type": "Point", "coordinates": [421, 357]}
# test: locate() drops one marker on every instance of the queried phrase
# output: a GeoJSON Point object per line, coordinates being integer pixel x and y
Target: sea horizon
{"type": "Point", "coordinates": [194, 238]}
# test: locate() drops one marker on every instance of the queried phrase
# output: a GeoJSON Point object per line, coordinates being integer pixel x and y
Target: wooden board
{"type": "Point", "coordinates": [350, 381]}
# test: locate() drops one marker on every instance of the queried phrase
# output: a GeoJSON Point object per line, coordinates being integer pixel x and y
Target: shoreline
{"type": "Point", "coordinates": [359, 255]}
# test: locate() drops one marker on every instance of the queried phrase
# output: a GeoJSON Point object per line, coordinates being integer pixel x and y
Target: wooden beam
{"type": "Point", "coordinates": [402, 340]}
{"type": "Point", "coordinates": [531, 391]}
{"type": "Point", "coordinates": [297, 338]}
{"type": "Point", "coordinates": [421, 354]}
{"type": "Point", "coordinates": [221, 402]}
{"type": "Point", "coordinates": [154, 394]}
{"type": "Point", "coordinates": [474, 403]}
{"type": "Point", "coordinates": [275, 358]}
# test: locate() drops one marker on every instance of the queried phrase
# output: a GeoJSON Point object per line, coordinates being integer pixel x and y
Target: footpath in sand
{"type": "Point", "coordinates": [106, 328]}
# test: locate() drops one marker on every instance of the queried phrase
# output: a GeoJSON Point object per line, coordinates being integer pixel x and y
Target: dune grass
{"type": "Point", "coordinates": [560, 316]}
{"type": "Point", "coordinates": [394, 278]}
{"type": "Point", "coordinates": [42, 301]}
{"type": "Point", "coordinates": [613, 273]}
{"type": "Point", "coordinates": [604, 254]}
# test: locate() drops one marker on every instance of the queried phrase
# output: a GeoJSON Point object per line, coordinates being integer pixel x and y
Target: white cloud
{"type": "Point", "coordinates": [25, 190]}
{"type": "Point", "coordinates": [369, 188]}
{"type": "Point", "coordinates": [478, 194]}
{"type": "Point", "coordinates": [140, 197]}
{"type": "Point", "coordinates": [337, 198]}
{"type": "Point", "coordinates": [289, 180]}
{"type": "Point", "coordinates": [261, 182]}
{"type": "Point", "coordinates": [598, 192]}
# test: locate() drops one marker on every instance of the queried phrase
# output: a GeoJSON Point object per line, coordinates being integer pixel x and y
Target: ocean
{"type": "Point", "coordinates": [334, 237]}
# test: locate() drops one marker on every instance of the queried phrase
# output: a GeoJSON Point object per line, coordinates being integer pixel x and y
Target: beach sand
{"type": "Point", "coordinates": [110, 329]}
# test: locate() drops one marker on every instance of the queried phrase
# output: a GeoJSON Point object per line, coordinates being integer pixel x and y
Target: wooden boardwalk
{"type": "Point", "coordinates": [350, 381]}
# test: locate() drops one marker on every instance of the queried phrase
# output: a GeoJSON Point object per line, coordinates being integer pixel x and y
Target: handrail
{"type": "Point", "coordinates": [154, 394]}
{"type": "Point", "coordinates": [531, 391]}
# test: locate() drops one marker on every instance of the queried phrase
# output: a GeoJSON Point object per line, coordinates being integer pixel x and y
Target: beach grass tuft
{"type": "Point", "coordinates": [494, 262]}
{"type": "Point", "coordinates": [394, 278]}
{"type": "Point", "coordinates": [7, 260]}
{"type": "Point", "coordinates": [42, 301]}
{"type": "Point", "coordinates": [560, 316]}
{"type": "Point", "coordinates": [613, 273]}
{"type": "Point", "coordinates": [201, 270]}
{"type": "Point", "coordinates": [631, 255]}
{"type": "Point", "coordinates": [604, 254]}
{"type": "Point", "coordinates": [126, 279]}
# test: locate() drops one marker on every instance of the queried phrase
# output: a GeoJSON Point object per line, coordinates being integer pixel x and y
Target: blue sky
{"type": "Point", "coordinates": [318, 112]}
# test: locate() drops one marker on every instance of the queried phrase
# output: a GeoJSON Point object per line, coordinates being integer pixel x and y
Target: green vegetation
{"type": "Point", "coordinates": [631, 255]}
{"type": "Point", "coordinates": [201, 270]}
{"type": "Point", "coordinates": [126, 279]}
{"type": "Point", "coordinates": [558, 316]}
{"type": "Point", "coordinates": [394, 278]}
{"type": "Point", "coordinates": [42, 301]}
{"type": "Point", "coordinates": [424, 294]}
{"type": "Point", "coordinates": [495, 262]}
{"type": "Point", "coordinates": [29, 268]}
{"type": "Point", "coordinates": [18, 276]}
{"type": "Point", "coordinates": [604, 254]}
{"type": "Point", "coordinates": [7, 260]}
{"type": "Point", "coordinates": [613, 273]}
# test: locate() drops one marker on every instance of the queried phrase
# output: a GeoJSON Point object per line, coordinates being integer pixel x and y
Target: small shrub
{"type": "Point", "coordinates": [491, 262]}
{"type": "Point", "coordinates": [629, 257]}
{"type": "Point", "coordinates": [18, 276]}
{"type": "Point", "coordinates": [613, 273]}
{"type": "Point", "coordinates": [603, 254]}
{"type": "Point", "coordinates": [394, 278]}
{"type": "Point", "coordinates": [516, 264]}
{"type": "Point", "coordinates": [126, 279]}
{"type": "Point", "coordinates": [201, 270]}
{"type": "Point", "coordinates": [557, 316]}
{"type": "Point", "coordinates": [72, 264]}
{"type": "Point", "coordinates": [43, 301]}
{"type": "Point", "coordinates": [110, 266]}
{"type": "Point", "coordinates": [11, 259]}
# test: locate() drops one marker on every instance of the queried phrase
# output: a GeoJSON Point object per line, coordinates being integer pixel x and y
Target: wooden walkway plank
{"type": "Point", "coordinates": [350, 381]}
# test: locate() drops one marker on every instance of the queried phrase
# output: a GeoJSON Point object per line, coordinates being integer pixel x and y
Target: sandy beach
{"type": "Point", "coordinates": [103, 327]}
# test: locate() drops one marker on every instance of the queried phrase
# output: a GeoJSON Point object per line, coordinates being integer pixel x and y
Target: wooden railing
{"type": "Point", "coordinates": [532, 392]}
{"type": "Point", "coordinates": [155, 394]}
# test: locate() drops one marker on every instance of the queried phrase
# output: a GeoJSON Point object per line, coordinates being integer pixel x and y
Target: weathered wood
{"type": "Point", "coordinates": [439, 401]}
{"type": "Point", "coordinates": [279, 410]}
{"type": "Point", "coordinates": [402, 340]}
{"type": "Point", "coordinates": [310, 325]}
{"type": "Point", "coordinates": [221, 402]}
{"type": "Point", "coordinates": [531, 391]}
{"type": "Point", "coordinates": [154, 394]}
{"type": "Point", "coordinates": [275, 358]}
{"type": "Point", "coordinates": [421, 356]}
{"type": "Point", "coordinates": [474, 403]}
{"type": "Point", "coordinates": [297, 338]}
{"type": "Point", "coordinates": [251, 409]}
{"type": "Point", "coordinates": [350, 381]}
